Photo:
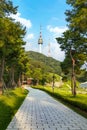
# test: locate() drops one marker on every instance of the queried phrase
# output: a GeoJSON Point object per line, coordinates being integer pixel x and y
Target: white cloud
{"type": "Point", "coordinates": [31, 46]}
{"type": "Point", "coordinates": [28, 40]}
{"type": "Point", "coordinates": [55, 51]}
{"type": "Point", "coordinates": [27, 23]}
{"type": "Point", "coordinates": [55, 47]}
{"type": "Point", "coordinates": [23, 21]}
{"type": "Point", "coordinates": [56, 30]}
{"type": "Point", "coordinates": [29, 36]}
{"type": "Point", "coordinates": [27, 46]}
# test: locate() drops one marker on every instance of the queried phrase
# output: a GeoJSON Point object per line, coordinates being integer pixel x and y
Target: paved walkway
{"type": "Point", "coordinates": [39, 111]}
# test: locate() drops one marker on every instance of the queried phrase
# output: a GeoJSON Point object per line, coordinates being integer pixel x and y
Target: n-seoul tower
{"type": "Point", "coordinates": [40, 41]}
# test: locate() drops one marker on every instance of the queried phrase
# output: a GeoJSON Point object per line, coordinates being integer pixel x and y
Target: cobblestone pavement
{"type": "Point", "coordinates": [39, 111]}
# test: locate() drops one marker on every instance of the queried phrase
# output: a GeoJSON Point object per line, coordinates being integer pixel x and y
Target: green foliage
{"type": "Point", "coordinates": [47, 63]}
{"type": "Point", "coordinates": [75, 38]}
{"type": "Point", "coordinates": [6, 7]}
{"type": "Point", "coordinates": [77, 16]}
{"type": "Point", "coordinates": [11, 43]}
{"type": "Point", "coordinates": [67, 61]}
{"type": "Point", "coordinates": [9, 104]}
{"type": "Point", "coordinates": [41, 68]}
{"type": "Point", "coordinates": [83, 76]}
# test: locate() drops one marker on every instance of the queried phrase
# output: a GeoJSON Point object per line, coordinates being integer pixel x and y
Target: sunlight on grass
{"type": "Point", "coordinates": [9, 104]}
{"type": "Point", "coordinates": [64, 94]}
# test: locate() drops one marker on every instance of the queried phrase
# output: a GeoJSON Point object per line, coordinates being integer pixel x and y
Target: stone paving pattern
{"type": "Point", "coordinates": [39, 111]}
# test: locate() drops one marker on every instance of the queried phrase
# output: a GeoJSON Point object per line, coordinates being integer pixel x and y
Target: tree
{"type": "Point", "coordinates": [77, 16]}
{"type": "Point", "coordinates": [75, 38]}
{"type": "Point", "coordinates": [6, 7]}
{"type": "Point", "coordinates": [77, 19]}
{"type": "Point", "coordinates": [11, 37]}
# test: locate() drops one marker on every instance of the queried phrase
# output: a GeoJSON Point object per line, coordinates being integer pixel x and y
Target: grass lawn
{"type": "Point", "coordinates": [9, 104]}
{"type": "Point", "coordinates": [77, 103]}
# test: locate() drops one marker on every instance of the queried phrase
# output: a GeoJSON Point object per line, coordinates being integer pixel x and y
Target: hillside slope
{"type": "Point", "coordinates": [50, 63]}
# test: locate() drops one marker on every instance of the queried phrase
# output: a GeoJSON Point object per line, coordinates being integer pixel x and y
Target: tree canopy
{"type": "Point", "coordinates": [74, 40]}
{"type": "Point", "coordinates": [75, 37]}
{"type": "Point", "coordinates": [11, 42]}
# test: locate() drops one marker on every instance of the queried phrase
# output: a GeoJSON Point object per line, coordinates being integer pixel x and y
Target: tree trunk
{"type": "Point", "coordinates": [12, 83]}
{"type": "Point", "coordinates": [1, 86]}
{"type": "Point", "coordinates": [1, 74]}
{"type": "Point", "coordinates": [73, 79]}
{"type": "Point", "coordinates": [19, 81]}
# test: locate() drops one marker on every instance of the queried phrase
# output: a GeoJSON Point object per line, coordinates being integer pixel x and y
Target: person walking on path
{"type": "Point", "coordinates": [40, 111]}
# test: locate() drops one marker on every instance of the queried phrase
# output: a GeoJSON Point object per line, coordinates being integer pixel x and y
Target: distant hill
{"type": "Point", "coordinates": [51, 64]}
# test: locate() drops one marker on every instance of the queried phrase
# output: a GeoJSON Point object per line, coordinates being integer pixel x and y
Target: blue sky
{"type": "Point", "coordinates": [50, 15]}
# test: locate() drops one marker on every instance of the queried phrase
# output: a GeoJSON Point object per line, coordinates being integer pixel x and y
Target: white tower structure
{"type": "Point", "coordinates": [40, 41]}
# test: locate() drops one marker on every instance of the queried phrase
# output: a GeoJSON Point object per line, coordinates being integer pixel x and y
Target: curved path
{"type": "Point", "coordinates": [39, 111]}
